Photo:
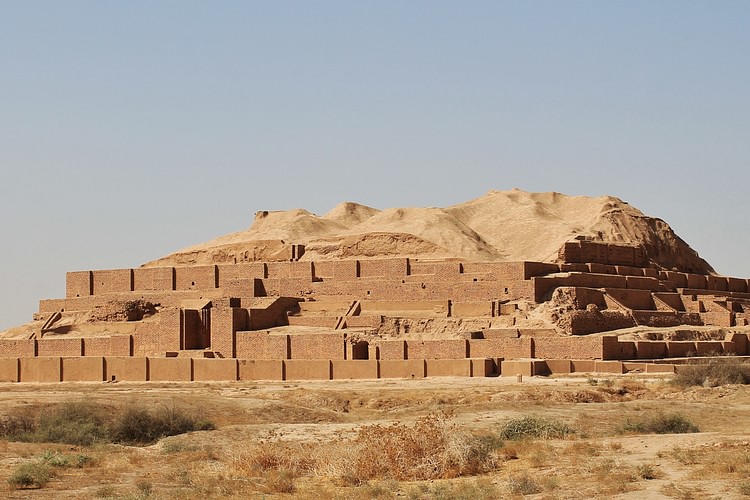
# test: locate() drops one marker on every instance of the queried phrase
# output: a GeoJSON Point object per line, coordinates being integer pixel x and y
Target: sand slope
{"type": "Point", "coordinates": [501, 225]}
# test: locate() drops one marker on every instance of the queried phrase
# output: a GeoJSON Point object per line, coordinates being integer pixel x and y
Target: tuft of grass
{"type": "Point", "coordinates": [34, 474]}
{"type": "Point", "coordinates": [744, 488]}
{"type": "Point", "coordinates": [716, 372]}
{"type": "Point", "coordinates": [535, 427]}
{"type": "Point", "coordinates": [660, 423]}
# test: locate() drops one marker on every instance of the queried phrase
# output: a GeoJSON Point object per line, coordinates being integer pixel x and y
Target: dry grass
{"type": "Point", "coordinates": [373, 451]}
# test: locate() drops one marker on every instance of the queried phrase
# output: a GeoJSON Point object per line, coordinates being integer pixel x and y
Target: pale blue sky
{"type": "Point", "coordinates": [132, 129]}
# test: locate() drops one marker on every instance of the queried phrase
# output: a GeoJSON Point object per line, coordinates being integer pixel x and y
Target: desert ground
{"type": "Point", "coordinates": [431, 438]}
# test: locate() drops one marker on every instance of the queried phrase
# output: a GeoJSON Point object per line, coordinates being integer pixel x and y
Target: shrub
{"type": "Point", "coordinates": [77, 423]}
{"type": "Point", "coordinates": [534, 427]}
{"type": "Point", "coordinates": [141, 426]}
{"type": "Point", "coordinates": [432, 448]}
{"type": "Point", "coordinates": [524, 484]}
{"type": "Point", "coordinates": [30, 475]}
{"type": "Point", "coordinates": [715, 373]}
{"type": "Point", "coordinates": [660, 423]}
{"type": "Point", "coordinates": [83, 424]}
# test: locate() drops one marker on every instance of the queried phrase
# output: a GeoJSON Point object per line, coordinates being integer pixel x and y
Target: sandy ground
{"type": "Point", "coordinates": [587, 466]}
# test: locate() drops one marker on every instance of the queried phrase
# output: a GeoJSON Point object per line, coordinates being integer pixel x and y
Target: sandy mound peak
{"type": "Point", "coordinates": [350, 214]}
{"type": "Point", "coordinates": [501, 225]}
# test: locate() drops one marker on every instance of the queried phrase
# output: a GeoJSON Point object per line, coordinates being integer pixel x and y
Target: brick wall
{"type": "Point", "coordinates": [317, 346]}
{"type": "Point", "coordinates": [261, 345]}
{"type": "Point", "coordinates": [436, 349]}
{"type": "Point", "coordinates": [196, 278]}
{"type": "Point", "coordinates": [78, 284]}
{"type": "Point", "coordinates": [153, 278]}
{"type": "Point", "coordinates": [59, 347]}
{"type": "Point", "coordinates": [112, 281]}
{"type": "Point", "coordinates": [22, 348]}
{"type": "Point", "coordinates": [508, 348]}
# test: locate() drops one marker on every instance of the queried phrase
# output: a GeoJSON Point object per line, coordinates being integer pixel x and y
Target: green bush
{"type": "Point", "coordinates": [141, 426]}
{"type": "Point", "coordinates": [660, 423]}
{"type": "Point", "coordinates": [30, 475]}
{"type": "Point", "coordinates": [535, 427]}
{"type": "Point", "coordinates": [77, 423]}
{"type": "Point", "coordinates": [83, 424]}
{"type": "Point", "coordinates": [715, 373]}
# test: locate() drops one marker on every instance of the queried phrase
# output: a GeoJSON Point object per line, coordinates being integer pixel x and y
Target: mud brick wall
{"type": "Point", "coordinates": [78, 284]}
{"type": "Point", "coordinates": [391, 349]}
{"type": "Point", "coordinates": [719, 283]}
{"type": "Point", "coordinates": [508, 348]}
{"type": "Point", "coordinates": [472, 309]}
{"type": "Point", "coordinates": [323, 270]}
{"type": "Point", "coordinates": [426, 267]}
{"type": "Point", "coordinates": [147, 340]}
{"type": "Point", "coordinates": [531, 269]}
{"type": "Point", "coordinates": [225, 322]}
{"type": "Point", "coordinates": [373, 321]}
{"type": "Point", "coordinates": [317, 346]}
{"type": "Point", "coordinates": [737, 285]}
{"type": "Point", "coordinates": [723, 318]}
{"type": "Point", "coordinates": [437, 349]}
{"type": "Point", "coordinates": [322, 321]}
{"type": "Point", "coordinates": [59, 347]}
{"type": "Point", "coordinates": [153, 278]}
{"type": "Point", "coordinates": [696, 281]}
{"type": "Point", "coordinates": [244, 271]}
{"type": "Point", "coordinates": [650, 349]}
{"type": "Point", "coordinates": [261, 345]}
{"type": "Point", "coordinates": [116, 345]}
{"type": "Point", "coordinates": [629, 271]}
{"type": "Point", "coordinates": [196, 278]}
{"type": "Point", "coordinates": [345, 269]}
{"type": "Point", "coordinates": [21, 348]}
{"type": "Point", "coordinates": [568, 348]}
{"type": "Point", "coordinates": [391, 268]}
{"type": "Point", "coordinates": [611, 349]}
{"type": "Point", "coordinates": [632, 299]}
{"type": "Point", "coordinates": [170, 329]}
{"type": "Point", "coordinates": [269, 316]}
{"type": "Point", "coordinates": [112, 281]}
{"type": "Point", "coordinates": [446, 270]}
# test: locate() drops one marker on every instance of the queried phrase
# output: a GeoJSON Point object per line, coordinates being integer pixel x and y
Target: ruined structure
{"type": "Point", "coordinates": [275, 313]}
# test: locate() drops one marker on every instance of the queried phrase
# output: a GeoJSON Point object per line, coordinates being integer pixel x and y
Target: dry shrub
{"type": "Point", "coordinates": [535, 427]}
{"type": "Point", "coordinates": [716, 372]}
{"type": "Point", "coordinates": [660, 423]}
{"type": "Point", "coordinates": [433, 447]}
{"type": "Point", "coordinates": [523, 484]}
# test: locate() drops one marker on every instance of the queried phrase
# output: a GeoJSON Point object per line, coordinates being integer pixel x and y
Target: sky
{"type": "Point", "coordinates": [129, 130]}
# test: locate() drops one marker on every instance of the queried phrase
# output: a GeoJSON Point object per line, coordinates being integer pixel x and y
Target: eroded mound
{"type": "Point", "coordinates": [499, 226]}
